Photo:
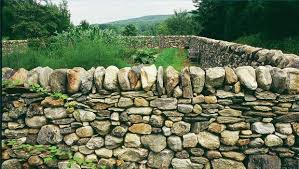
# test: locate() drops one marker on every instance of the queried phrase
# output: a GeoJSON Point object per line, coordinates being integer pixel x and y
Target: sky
{"type": "Point", "coordinates": [103, 11]}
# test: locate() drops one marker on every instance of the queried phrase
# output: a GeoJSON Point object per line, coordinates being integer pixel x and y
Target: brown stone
{"type": "Point", "coordinates": [50, 102]}
{"type": "Point", "coordinates": [186, 83]}
{"type": "Point", "coordinates": [141, 128]}
{"type": "Point", "coordinates": [264, 161]}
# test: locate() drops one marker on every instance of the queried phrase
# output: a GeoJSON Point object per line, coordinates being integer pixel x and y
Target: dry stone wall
{"type": "Point", "coordinates": [149, 117]}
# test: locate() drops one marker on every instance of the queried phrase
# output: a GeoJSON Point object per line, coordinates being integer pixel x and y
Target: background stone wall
{"type": "Point", "coordinates": [148, 117]}
{"type": "Point", "coordinates": [9, 45]}
{"type": "Point", "coordinates": [205, 52]}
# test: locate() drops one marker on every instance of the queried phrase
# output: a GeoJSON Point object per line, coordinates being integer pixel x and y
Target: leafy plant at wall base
{"type": "Point", "coordinates": [11, 83]}
{"type": "Point", "coordinates": [145, 56]}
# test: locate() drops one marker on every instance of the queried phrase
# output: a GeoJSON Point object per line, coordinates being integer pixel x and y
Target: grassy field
{"type": "Point", "coordinates": [89, 55]}
{"type": "Point", "coordinates": [286, 45]}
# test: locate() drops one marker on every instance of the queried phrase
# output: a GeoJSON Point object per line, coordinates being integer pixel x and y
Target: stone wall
{"type": "Point", "coordinates": [9, 45]}
{"type": "Point", "coordinates": [144, 117]}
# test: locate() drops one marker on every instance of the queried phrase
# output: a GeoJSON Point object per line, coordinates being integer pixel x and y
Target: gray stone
{"type": "Point", "coordinates": [119, 131]}
{"type": "Point", "coordinates": [284, 128]}
{"type": "Point", "coordinates": [229, 137]}
{"type": "Point", "coordinates": [84, 116]}
{"type": "Point", "coordinates": [148, 76]}
{"type": "Point", "coordinates": [112, 142]}
{"type": "Point", "coordinates": [199, 126]}
{"type": "Point", "coordinates": [36, 121]}
{"type": "Point", "coordinates": [208, 140]}
{"type": "Point", "coordinates": [182, 164]}
{"type": "Point", "coordinates": [95, 143]}
{"type": "Point", "coordinates": [177, 92]}
{"type": "Point", "coordinates": [11, 164]}
{"type": "Point", "coordinates": [70, 139]}
{"type": "Point", "coordinates": [98, 77]}
{"type": "Point", "coordinates": [247, 77]}
{"type": "Point", "coordinates": [104, 153]}
{"type": "Point", "coordinates": [140, 111]}
{"type": "Point", "coordinates": [156, 143]}
{"type": "Point", "coordinates": [290, 117]}
{"type": "Point", "coordinates": [55, 113]}
{"type": "Point", "coordinates": [263, 77]}
{"type": "Point", "coordinates": [197, 78]}
{"type": "Point", "coordinates": [102, 127]}
{"type": "Point", "coordinates": [131, 154]}
{"type": "Point", "coordinates": [161, 159]}
{"type": "Point", "coordinates": [32, 77]}
{"type": "Point", "coordinates": [186, 83]}
{"type": "Point", "coordinates": [175, 143]}
{"type": "Point", "coordinates": [87, 80]}
{"type": "Point", "coordinates": [110, 79]}
{"type": "Point", "coordinates": [257, 142]}
{"type": "Point", "coordinates": [214, 77]}
{"type": "Point", "coordinates": [185, 108]}
{"type": "Point", "coordinates": [125, 102]}
{"type": "Point", "coordinates": [230, 112]}
{"type": "Point", "coordinates": [49, 134]}
{"type": "Point", "coordinates": [189, 140]}
{"type": "Point", "coordinates": [123, 79]}
{"type": "Point", "coordinates": [226, 120]}
{"type": "Point", "coordinates": [132, 140]}
{"type": "Point", "coordinates": [263, 128]}
{"type": "Point", "coordinates": [58, 80]}
{"type": "Point", "coordinates": [65, 164]}
{"type": "Point", "coordinates": [156, 121]}
{"type": "Point", "coordinates": [272, 140]}
{"type": "Point", "coordinates": [279, 80]}
{"type": "Point", "coordinates": [293, 79]}
{"type": "Point", "coordinates": [164, 103]}
{"type": "Point", "coordinates": [264, 161]}
{"type": "Point", "coordinates": [234, 155]}
{"type": "Point", "coordinates": [172, 79]}
{"type": "Point", "coordinates": [44, 76]}
{"type": "Point", "coordinates": [85, 131]}
{"type": "Point", "coordinates": [180, 128]}
{"type": "Point", "coordinates": [222, 163]}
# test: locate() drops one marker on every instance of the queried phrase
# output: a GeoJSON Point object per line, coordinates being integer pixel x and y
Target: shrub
{"type": "Point", "coordinates": [145, 56]}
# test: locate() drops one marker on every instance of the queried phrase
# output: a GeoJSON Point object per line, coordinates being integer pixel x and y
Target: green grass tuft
{"type": "Point", "coordinates": [172, 57]}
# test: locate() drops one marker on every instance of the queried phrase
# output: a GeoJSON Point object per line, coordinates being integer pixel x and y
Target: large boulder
{"type": "Point", "coordinates": [55, 113]}
{"type": "Point", "coordinates": [230, 75]}
{"type": "Point", "coordinates": [293, 80]}
{"type": "Point", "coordinates": [74, 79]}
{"type": "Point", "coordinates": [44, 76]}
{"type": "Point", "coordinates": [110, 79]}
{"type": "Point", "coordinates": [186, 83]}
{"type": "Point", "coordinates": [172, 79]}
{"type": "Point", "coordinates": [160, 81]}
{"type": "Point", "coordinates": [123, 79]}
{"type": "Point", "coordinates": [279, 80]}
{"type": "Point", "coordinates": [214, 77]}
{"type": "Point", "coordinates": [263, 77]}
{"type": "Point", "coordinates": [148, 76]}
{"type": "Point", "coordinates": [246, 75]}
{"type": "Point", "coordinates": [58, 80]}
{"type": "Point", "coordinates": [197, 78]}
{"type": "Point", "coordinates": [49, 134]}
{"type": "Point", "coordinates": [87, 80]}
{"type": "Point", "coordinates": [98, 77]}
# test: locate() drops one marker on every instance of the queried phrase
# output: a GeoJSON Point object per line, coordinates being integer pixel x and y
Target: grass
{"type": "Point", "coordinates": [286, 45]}
{"type": "Point", "coordinates": [173, 57]}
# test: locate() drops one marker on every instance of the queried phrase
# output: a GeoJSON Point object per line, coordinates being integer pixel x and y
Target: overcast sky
{"type": "Point", "coordinates": [102, 11]}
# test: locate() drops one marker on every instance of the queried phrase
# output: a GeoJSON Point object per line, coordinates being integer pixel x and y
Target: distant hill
{"type": "Point", "coordinates": [151, 19]}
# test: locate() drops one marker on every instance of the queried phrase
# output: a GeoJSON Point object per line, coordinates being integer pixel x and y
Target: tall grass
{"type": "Point", "coordinates": [286, 45]}
{"type": "Point", "coordinates": [173, 57]}
{"type": "Point", "coordinates": [84, 48]}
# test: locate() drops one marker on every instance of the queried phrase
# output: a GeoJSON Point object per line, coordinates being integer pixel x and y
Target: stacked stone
{"type": "Point", "coordinates": [144, 117]}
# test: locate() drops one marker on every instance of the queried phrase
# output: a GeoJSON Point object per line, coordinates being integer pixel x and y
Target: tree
{"type": "Point", "coordinates": [130, 30]}
{"type": "Point", "coordinates": [181, 23]}
{"type": "Point", "coordinates": [31, 18]}
{"type": "Point", "coordinates": [84, 24]}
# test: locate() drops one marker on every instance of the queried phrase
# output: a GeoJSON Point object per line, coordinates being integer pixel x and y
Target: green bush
{"type": "Point", "coordinates": [84, 48]}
